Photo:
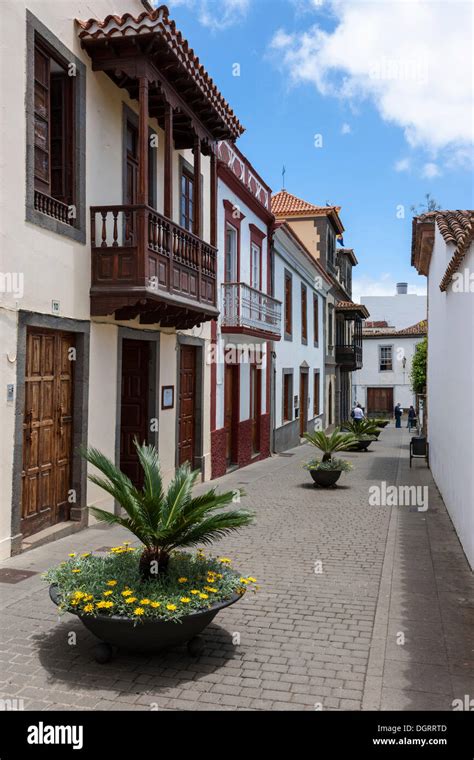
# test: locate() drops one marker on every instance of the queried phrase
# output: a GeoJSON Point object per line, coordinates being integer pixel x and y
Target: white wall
{"type": "Point", "coordinates": [399, 311]}
{"type": "Point", "coordinates": [398, 379]}
{"type": "Point", "coordinates": [450, 393]}
{"type": "Point", "coordinates": [292, 353]}
{"type": "Point", "coordinates": [57, 268]}
{"type": "Point", "coordinates": [225, 193]}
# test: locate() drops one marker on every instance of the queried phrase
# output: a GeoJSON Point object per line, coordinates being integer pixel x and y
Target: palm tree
{"type": "Point", "coordinates": [362, 427]}
{"type": "Point", "coordinates": [163, 521]}
{"type": "Point", "coordinates": [329, 444]}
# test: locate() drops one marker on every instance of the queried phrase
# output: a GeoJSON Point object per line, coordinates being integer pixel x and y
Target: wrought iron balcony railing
{"type": "Point", "coordinates": [247, 310]}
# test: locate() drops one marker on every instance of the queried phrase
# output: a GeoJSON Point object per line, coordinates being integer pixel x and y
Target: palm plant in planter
{"type": "Point", "coordinates": [327, 471]}
{"type": "Point", "coordinates": [364, 432]}
{"type": "Point", "coordinates": [156, 585]}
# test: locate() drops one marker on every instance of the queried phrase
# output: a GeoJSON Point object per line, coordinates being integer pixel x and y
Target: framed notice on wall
{"type": "Point", "coordinates": [167, 396]}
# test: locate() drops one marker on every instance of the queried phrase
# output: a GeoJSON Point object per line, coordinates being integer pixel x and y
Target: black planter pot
{"type": "Point", "coordinates": [362, 445]}
{"type": "Point", "coordinates": [149, 636]}
{"type": "Point", "coordinates": [325, 478]}
{"type": "Point", "coordinates": [383, 424]}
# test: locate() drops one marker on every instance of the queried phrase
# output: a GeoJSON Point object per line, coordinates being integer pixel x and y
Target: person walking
{"type": "Point", "coordinates": [358, 412]}
{"type": "Point", "coordinates": [411, 417]}
{"type": "Point", "coordinates": [398, 415]}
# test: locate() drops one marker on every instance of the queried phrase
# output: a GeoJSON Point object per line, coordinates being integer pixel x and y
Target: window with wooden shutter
{"type": "Point", "coordinates": [54, 178]}
{"type": "Point", "coordinates": [304, 314]}
{"type": "Point", "coordinates": [288, 305]}
{"type": "Point", "coordinates": [187, 201]}
{"type": "Point", "coordinates": [316, 319]}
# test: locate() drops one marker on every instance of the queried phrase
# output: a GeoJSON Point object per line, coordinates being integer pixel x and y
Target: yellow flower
{"type": "Point", "coordinates": [73, 554]}
{"type": "Point", "coordinates": [185, 599]}
{"type": "Point", "coordinates": [171, 607]}
{"type": "Point", "coordinates": [78, 594]}
{"type": "Point", "coordinates": [138, 611]}
{"type": "Point", "coordinates": [103, 603]}
{"type": "Point", "coordinates": [86, 554]}
{"type": "Point", "coordinates": [127, 592]}
{"type": "Point", "coordinates": [88, 597]}
{"type": "Point", "coordinates": [219, 575]}
{"type": "Point", "coordinates": [241, 590]}
{"type": "Point", "coordinates": [155, 604]}
{"type": "Point", "coordinates": [243, 580]}
{"type": "Point", "coordinates": [107, 604]}
{"type": "Point", "coordinates": [225, 560]}
{"type": "Point", "coordinates": [210, 589]}
{"type": "Point", "coordinates": [203, 596]}
{"type": "Point", "coordinates": [252, 580]}
{"type": "Point", "coordinates": [126, 543]}
{"type": "Point", "coordinates": [194, 591]}
{"type": "Point", "coordinates": [182, 580]}
{"type": "Point", "coordinates": [144, 601]}
{"type": "Point", "coordinates": [107, 593]}
{"type": "Point", "coordinates": [88, 608]}
{"type": "Point", "coordinates": [75, 602]}
{"type": "Point", "coordinates": [130, 599]}
{"type": "Point", "coordinates": [111, 583]}
{"type": "Point", "coordinates": [76, 570]}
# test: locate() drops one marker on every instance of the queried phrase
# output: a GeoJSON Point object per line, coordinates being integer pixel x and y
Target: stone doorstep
{"type": "Point", "coordinates": [52, 533]}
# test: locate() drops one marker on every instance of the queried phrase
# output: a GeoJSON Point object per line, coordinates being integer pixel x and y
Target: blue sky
{"type": "Point", "coordinates": [393, 124]}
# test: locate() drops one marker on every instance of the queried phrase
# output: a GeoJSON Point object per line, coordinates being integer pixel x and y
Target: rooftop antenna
{"type": "Point", "coordinates": [283, 172]}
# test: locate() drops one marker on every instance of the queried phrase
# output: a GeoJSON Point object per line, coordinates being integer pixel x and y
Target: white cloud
{"type": "Point", "coordinates": [430, 171]}
{"type": "Point", "coordinates": [385, 285]}
{"type": "Point", "coordinates": [346, 129]}
{"type": "Point", "coordinates": [215, 14]}
{"type": "Point", "coordinates": [406, 56]}
{"type": "Point", "coordinates": [403, 165]}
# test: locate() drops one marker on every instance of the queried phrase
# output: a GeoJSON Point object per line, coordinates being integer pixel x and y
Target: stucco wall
{"type": "Point", "coordinates": [398, 379]}
{"type": "Point", "coordinates": [294, 353]}
{"type": "Point", "coordinates": [450, 393]}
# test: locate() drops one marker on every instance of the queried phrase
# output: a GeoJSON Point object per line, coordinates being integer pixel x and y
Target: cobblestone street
{"type": "Point", "coordinates": [308, 640]}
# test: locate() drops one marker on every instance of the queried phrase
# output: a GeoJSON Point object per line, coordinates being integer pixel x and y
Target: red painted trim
{"type": "Point", "coordinates": [256, 238]}
{"type": "Point", "coordinates": [213, 374]}
{"type": "Point", "coordinates": [257, 233]}
{"type": "Point", "coordinates": [234, 184]}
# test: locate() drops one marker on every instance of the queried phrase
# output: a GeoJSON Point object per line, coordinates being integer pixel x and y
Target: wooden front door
{"type": "Point", "coordinates": [255, 406]}
{"type": "Point", "coordinates": [231, 402]}
{"type": "Point", "coordinates": [303, 402]}
{"type": "Point", "coordinates": [380, 400]}
{"type": "Point", "coordinates": [134, 421]}
{"type": "Point", "coordinates": [187, 405]}
{"type": "Point", "coordinates": [47, 429]}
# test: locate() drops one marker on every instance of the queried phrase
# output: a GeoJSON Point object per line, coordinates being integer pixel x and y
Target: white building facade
{"type": "Point", "coordinates": [400, 311]}
{"type": "Point", "coordinates": [385, 378]}
{"type": "Point", "coordinates": [249, 319]}
{"type": "Point", "coordinates": [122, 172]}
{"type": "Point", "coordinates": [443, 250]}
{"type": "Point", "coordinates": [298, 378]}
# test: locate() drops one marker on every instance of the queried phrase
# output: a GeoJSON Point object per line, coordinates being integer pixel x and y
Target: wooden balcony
{"type": "Point", "coordinates": [145, 265]}
{"type": "Point", "coordinates": [249, 313]}
{"type": "Point", "coordinates": [349, 357]}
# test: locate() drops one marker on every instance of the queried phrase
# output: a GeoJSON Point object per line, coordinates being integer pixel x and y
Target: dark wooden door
{"type": "Point", "coordinates": [47, 429]}
{"type": "Point", "coordinates": [134, 421]}
{"type": "Point", "coordinates": [303, 402]}
{"type": "Point", "coordinates": [380, 400]}
{"type": "Point", "coordinates": [187, 405]}
{"type": "Point", "coordinates": [230, 402]}
{"type": "Point", "coordinates": [255, 406]}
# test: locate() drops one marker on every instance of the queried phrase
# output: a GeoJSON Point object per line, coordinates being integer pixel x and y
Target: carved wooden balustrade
{"type": "Point", "coordinates": [140, 258]}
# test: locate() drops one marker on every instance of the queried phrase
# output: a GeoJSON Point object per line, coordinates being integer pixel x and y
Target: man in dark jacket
{"type": "Point", "coordinates": [398, 416]}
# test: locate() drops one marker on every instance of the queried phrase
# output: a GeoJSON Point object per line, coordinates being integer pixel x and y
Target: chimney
{"type": "Point", "coordinates": [402, 288]}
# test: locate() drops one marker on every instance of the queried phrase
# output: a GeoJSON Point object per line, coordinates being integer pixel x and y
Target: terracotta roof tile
{"type": "Point", "coordinates": [285, 205]}
{"type": "Point", "coordinates": [456, 227]}
{"type": "Point", "coordinates": [158, 22]}
{"type": "Point", "coordinates": [420, 328]}
{"type": "Point", "coordinates": [351, 306]}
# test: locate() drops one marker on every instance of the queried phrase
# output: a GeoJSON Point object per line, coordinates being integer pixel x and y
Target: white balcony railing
{"type": "Point", "coordinates": [243, 306]}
